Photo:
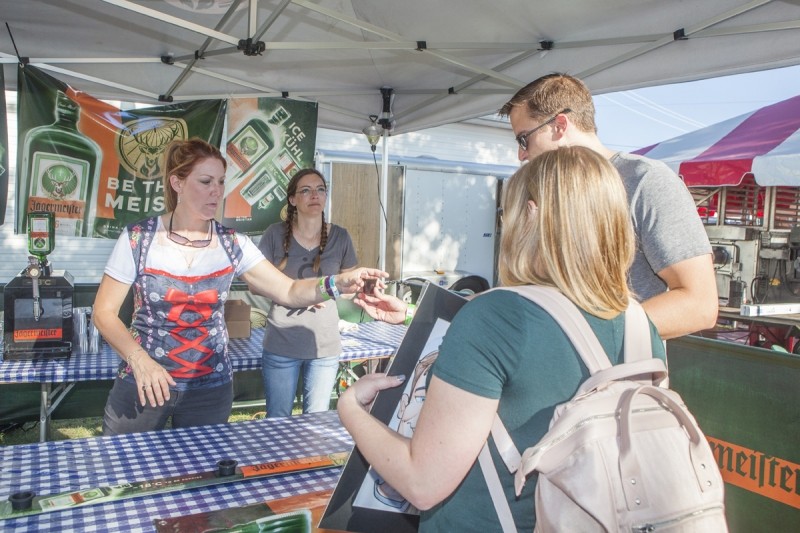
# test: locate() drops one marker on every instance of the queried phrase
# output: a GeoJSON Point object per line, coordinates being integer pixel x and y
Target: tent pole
{"type": "Point", "coordinates": [383, 200]}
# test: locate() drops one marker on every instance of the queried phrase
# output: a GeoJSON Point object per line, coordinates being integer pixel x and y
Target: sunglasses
{"type": "Point", "coordinates": [183, 241]}
{"type": "Point", "coordinates": [522, 138]}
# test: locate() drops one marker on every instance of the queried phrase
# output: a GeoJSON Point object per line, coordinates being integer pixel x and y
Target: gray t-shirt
{"type": "Point", "coordinates": [306, 333]}
{"type": "Point", "coordinates": [668, 229]}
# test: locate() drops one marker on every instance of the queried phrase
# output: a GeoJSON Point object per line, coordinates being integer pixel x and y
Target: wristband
{"type": "Point", "coordinates": [323, 289]}
{"type": "Point", "coordinates": [334, 290]}
{"type": "Point", "coordinates": [328, 286]}
{"type": "Point", "coordinates": [410, 310]}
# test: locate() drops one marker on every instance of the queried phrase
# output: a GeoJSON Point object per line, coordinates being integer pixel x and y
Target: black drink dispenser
{"type": "Point", "coordinates": [37, 320]}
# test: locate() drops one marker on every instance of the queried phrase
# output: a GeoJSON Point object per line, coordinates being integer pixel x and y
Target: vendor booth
{"type": "Point", "coordinates": [389, 68]}
{"type": "Point", "coordinates": [744, 174]}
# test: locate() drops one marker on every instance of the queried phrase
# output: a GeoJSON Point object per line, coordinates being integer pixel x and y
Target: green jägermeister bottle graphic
{"type": "Point", "coordinates": [61, 166]}
{"type": "Point", "coordinates": [246, 148]}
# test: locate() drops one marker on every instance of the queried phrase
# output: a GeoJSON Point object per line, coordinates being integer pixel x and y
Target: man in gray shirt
{"type": "Point", "coordinates": [672, 274]}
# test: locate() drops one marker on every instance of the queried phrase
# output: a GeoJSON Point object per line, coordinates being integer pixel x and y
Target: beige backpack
{"type": "Point", "coordinates": [623, 455]}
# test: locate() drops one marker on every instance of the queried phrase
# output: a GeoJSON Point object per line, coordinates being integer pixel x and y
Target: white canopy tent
{"type": "Point", "coordinates": [438, 61]}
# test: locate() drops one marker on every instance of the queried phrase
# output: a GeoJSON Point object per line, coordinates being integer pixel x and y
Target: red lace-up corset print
{"type": "Point", "coordinates": [197, 305]}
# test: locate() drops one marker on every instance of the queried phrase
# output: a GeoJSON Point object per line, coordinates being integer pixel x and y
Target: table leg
{"type": "Point", "coordinates": [50, 399]}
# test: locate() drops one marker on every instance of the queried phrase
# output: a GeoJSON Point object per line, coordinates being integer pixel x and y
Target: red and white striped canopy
{"type": "Point", "coordinates": [765, 143]}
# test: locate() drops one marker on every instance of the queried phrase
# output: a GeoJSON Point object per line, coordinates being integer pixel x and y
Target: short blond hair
{"type": "Point", "coordinates": [551, 94]}
{"type": "Point", "coordinates": [579, 238]}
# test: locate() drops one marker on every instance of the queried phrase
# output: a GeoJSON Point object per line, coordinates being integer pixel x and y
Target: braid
{"type": "Point", "coordinates": [323, 240]}
{"type": "Point", "coordinates": [288, 237]}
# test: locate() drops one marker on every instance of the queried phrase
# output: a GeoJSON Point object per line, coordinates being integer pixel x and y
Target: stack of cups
{"type": "Point", "coordinates": [80, 329]}
{"type": "Point", "coordinates": [86, 337]}
{"type": "Point", "coordinates": [94, 338]}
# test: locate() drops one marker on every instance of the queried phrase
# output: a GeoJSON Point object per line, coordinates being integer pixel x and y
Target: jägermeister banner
{"type": "Point", "coordinates": [269, 140]}
{"type": "Point", "coordinates": [3, 150]}
{"type": "Point", "coordinates": [95, 166]}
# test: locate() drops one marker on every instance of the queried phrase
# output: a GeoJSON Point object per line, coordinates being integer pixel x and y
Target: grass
{"type": "Point", "coordinates": [81, 428]}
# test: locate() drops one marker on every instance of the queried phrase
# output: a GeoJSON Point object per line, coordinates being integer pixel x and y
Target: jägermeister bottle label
{"type": "Point", "coordinates": [250, 144]}
{"type": "Point", "coordinates": [272, 178]}
{"type": "Point", "coordinates": [60, 166]}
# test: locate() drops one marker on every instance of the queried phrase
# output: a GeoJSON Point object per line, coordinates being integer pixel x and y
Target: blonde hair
{"type": "Point", "coordinates": [579, 238]}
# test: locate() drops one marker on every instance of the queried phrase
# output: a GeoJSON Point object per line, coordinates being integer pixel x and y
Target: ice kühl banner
{"type": "Point", "coordinates": [269, 140]}
{"type": "Point", "coordinates": [97, 167]}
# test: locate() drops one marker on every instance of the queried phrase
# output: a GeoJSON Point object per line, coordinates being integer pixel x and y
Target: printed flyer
{"type": "Point", "coordinates": [296, 514]}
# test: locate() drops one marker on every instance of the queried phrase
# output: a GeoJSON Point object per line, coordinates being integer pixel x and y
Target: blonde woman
{"type": "Point", "coordinates": [566, 224]}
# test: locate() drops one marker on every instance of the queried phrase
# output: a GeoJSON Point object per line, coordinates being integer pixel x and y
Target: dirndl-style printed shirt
{"type": "Point", "coordinates": [178, 318]}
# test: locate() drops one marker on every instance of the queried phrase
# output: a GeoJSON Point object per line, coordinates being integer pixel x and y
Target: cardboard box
{"type": "Point", "coordinates": [237, 319]}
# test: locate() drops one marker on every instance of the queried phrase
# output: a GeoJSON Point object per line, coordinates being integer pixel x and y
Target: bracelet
{"type": "Point", "coordinates": [334, 290]}
{"type": "Point", "coordinates": [130, 355]}
{"type": "Point", "coordinates": [323, 290]}
{"type": "Point", "coordinates": [410, 310]}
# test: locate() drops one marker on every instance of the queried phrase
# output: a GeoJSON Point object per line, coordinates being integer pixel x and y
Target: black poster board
{"type": "Point", "coordinates": [437, 308]}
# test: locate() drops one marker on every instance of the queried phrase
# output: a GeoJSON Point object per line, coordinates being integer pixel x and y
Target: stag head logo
{"type": "Point", "coordinates": [142, 143]}
{"type": "Point", "coordinates": [59, 182]}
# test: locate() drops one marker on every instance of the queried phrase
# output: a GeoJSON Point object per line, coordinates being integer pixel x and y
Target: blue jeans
{"type": "Point", "coordinates": [280, 382]}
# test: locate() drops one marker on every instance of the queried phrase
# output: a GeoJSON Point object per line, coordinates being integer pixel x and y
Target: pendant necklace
{"type": "Point", "coordinates": [188, 258]}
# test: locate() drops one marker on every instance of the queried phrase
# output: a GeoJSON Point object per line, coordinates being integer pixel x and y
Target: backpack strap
{"type": "Point", "coordinates": [639, 362]}
{"type": "Point", "coordinates": [499, 500]}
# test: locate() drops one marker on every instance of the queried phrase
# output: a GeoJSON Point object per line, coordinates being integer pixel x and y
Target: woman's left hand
{"type": "Point", "coordinates": [352, 281]}
{"type": "Point", "coordinates": [368, 386]}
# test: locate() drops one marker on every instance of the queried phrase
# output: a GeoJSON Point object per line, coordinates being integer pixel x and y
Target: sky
{"type": "Point", "coordinates": [634, 119]}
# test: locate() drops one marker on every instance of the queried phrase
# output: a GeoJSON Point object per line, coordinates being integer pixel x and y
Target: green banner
{"type": "Point", "coordinates": [746, 400]}
{"type": "Point", "coordinates": [3, 150]}
{"type": "Point", "coordinates": [95, 166]}
{"type": "Point", "coordinates": [269, 140]}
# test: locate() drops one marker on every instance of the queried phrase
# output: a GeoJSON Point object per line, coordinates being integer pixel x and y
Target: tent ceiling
{"type": "Point", "coordinates": [446, 60]}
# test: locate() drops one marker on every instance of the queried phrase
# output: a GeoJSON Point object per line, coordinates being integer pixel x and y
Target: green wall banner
{"type": "Point", "coordinates": [747, 402]}
{"type": "Point", "coordinates": [3, 151]}
{"type": "Point", "coordinates": [269, 140]}
{"type": "Point", "coordinates": [97, 167]}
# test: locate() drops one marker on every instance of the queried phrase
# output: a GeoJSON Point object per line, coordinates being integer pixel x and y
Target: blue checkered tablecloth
{"type": "Point", "coordinates": [368, 340]}
{"type": "Point", "coordinates": [54, 467]}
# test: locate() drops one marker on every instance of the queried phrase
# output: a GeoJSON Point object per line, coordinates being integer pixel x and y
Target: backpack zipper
{"type": "Point", "coordinates": [582, 422]}
{"type": "Point", "coordinates": [655, 526]}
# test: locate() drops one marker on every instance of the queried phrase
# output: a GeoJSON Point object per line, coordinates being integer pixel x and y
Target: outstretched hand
{"type": "Point", "coordinates": [382, 306]}
{"type": "Point", "coordinates": [352, 281]}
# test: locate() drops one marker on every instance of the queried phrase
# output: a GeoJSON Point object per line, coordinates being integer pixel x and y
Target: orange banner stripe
{"type": "Point", "coordinates": [768, 476]}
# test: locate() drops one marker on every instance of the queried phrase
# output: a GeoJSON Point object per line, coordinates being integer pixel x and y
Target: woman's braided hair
{"type": "Point", "coordinates": [291, 210]}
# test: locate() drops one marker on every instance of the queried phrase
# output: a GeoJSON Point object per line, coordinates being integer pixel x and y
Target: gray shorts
{"type": "Point", "coordinates": [197, 407]}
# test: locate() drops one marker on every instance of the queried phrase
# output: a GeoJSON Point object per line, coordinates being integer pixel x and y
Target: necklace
{"type": "Point", "coordinates": [308, 244]}
{"type": "Point", "coordinates": [189, 257]}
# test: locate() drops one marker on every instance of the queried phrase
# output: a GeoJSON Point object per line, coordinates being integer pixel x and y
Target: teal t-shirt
{"type": "Point", "coordinates": [502, 345]}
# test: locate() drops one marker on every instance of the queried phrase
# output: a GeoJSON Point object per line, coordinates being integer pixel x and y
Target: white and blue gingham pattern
{"type": "Point", "coordinates": [55, 467]}
{"type": "Point", "coordinates": [371, 340]}
{"type": "Point", "coordinates": [368, 340]}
